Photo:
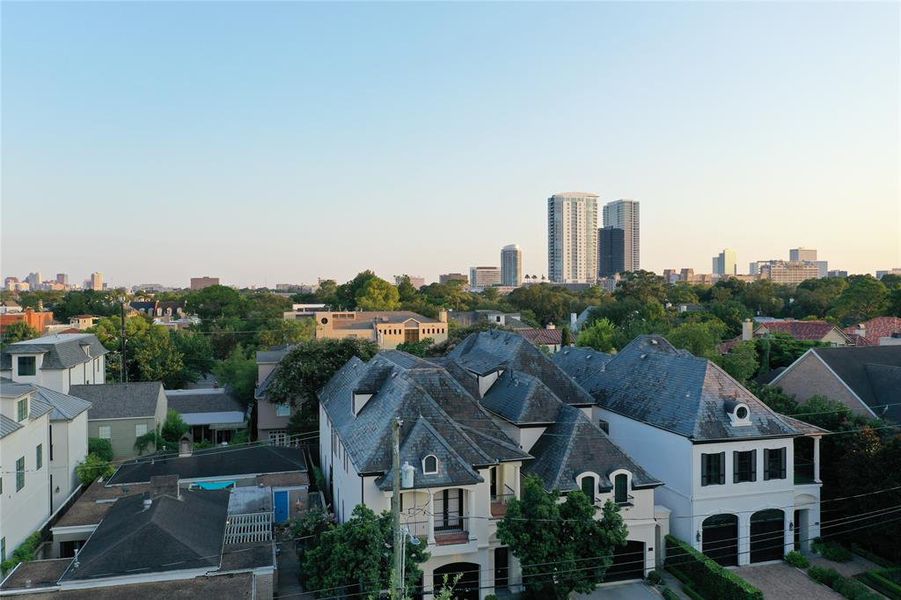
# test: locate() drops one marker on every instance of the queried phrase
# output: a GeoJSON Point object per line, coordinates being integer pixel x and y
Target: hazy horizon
{"type": "Point", "coordinates": [270, 143]}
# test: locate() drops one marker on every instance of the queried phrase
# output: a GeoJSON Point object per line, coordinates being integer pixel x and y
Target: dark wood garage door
{"type": "Point", "coordinates": [628, 562]}
{"type": "Point", "coordinates": [720, 539]}
{"type": "Point", "coordinates": [767, 535]}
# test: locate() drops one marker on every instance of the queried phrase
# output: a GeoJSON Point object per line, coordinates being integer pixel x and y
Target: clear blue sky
{"type": "Point", "coordinates": [279, 142]}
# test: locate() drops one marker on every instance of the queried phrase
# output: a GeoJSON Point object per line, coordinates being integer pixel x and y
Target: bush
{"type": "Point", "coordinates": [707, 577]}
{"type": "Point", "coordinates": [654, 577]}
{"type": "Point", "coordinates": [92, 468]}
{"type": "Point", "coordinates": [881, 582]}
{"type": "Point", "coordinates": [23, 553]}
{"type": "Point", "coordinates": [854, 590]}
{"type": "Point", "coordinates": [824, 575]}
{"type": "Point", "coordinates": [832, 551]}
{"type": "Point", "coordinates": [669, 594]}
{"type": "Point", "coordinates": [100, 447]}
{"type": "Point", "coordinates": [796, 559]}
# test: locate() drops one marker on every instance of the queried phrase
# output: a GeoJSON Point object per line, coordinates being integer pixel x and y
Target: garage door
{"type": "Point", "coordinates": [720, 539]}
{"type": "Point", "coordinates": [767, 535]}
{"type": "Point", "coordinates": [628, 562]}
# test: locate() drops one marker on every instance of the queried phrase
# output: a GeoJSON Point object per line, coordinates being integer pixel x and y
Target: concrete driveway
{"type": "Point", "coordinates": [620, 591]}
{"type": "Point", "coordinates": [781, 581]}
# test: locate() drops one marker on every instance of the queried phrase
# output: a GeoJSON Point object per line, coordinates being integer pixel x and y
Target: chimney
{"type": "Point", "coordinates": [747, 330]}
{"type": "Point", "coordinates": [185, 445]}
{"type": "Point", "coordinates": [550, 326]}
{"type": "Point", "coordinates": [573, 321]}
{"type": "Point", "coordinates": [442, 315]}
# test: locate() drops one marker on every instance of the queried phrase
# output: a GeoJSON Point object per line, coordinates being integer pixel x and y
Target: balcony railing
{"type": "Point", "coordinates": [452, 529]}
{"type": "Point", "coordinates": [499, 502]}
{"type": "Point", "coordinates": [804, 472]}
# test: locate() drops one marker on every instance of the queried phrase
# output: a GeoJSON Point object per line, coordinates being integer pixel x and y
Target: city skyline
{"type": "Point", "coordinates": [755, 147]}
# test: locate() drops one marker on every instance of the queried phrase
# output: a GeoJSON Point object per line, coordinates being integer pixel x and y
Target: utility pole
{"type": "Point", "coordinates": [122, 345]}
{"type": "Point", "coordinates": [399, 536]}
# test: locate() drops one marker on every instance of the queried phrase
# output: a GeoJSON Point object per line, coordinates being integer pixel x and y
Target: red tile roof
{"type": "Point", "coordinates": [543, 337]}
{"type": "Point", "coordinates": [811, 331]}
{"type": "Point", "coordinates": [869, 332]}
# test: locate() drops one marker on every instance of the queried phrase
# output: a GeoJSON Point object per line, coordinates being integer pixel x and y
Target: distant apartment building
{"type": "Point", "coordinates": [511, 265]}
{"type": "Point", "coordinates": [446, 278]}
{"type": "Point", "coordinates": [802, 254]}
{"type": "Point", "coordinates": [611, 251]}
{"type": "Point", "coordinates": [725, 263]}
{"type": "Point", "coordinates": [789, 272]}
{"type": "Point", "coordinates": [62, 278]}
{"type": "Point", "coordinates": [839, 273]}
{"type": "Point", "coordinates": [484, 277]}
{"type": "Point", "coordinates": [572, 237]}
{"type": "Point", "coordinates": [198, 283]}
{"type": "Point", "coordinates": [624, 214]}
{"type": "Point", "coordinates": [415, 281]}
{"type": "Point", "coordinates": [386, 328]}
{"type": "Point", "coordinates": [96, 281]}
{"type": "Point", "coordinates": [881, 274]}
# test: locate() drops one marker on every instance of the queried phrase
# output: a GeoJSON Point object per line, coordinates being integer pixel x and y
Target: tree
{"type": "Point", "coordinates": [280, 331]}
{"type": "Point", "coordinates": [215, 302]}
{"type": "Point", "coordinates": [600, 335]}
{"type": "Point", "coordinates": [356, 556]}
{"type": "Point", "coordinates": [174, 427]}
{"type": "Point", "coordinates": [239, 374]}
{"type": "Point", "coordinates": [327, 293]}
{"type": "Point", "coordinates": [196, 351]}
{"type": "Point", "coordinates": [699, 338]}
{"type": "Point", "coordinates": [19, 331]}
{"type": "Point", "coordinates": [308, 367]}
{"type": "Point", "coordinates": [405, 289]}
{"type": "Point", "coordinates": [346, 293]}
{"type": "Point", "coordinates": [741, 362]}
{"type": "Point", "coordinates": [566, 336]}
{"type": "Point", "coordinates": [864, 298]}
{"type": "Point", "coordinates": [92, 468]}
{"type": "Point", "coordinates": [101, 448]}
{"type": "Point", "coordinates": [157, 358]}
{"type": "Point", "coordinates": [377, 294]}
{"type": "Point", "coordinates": [641, 285]}
{"type": "Point", "coordinates": [420, 348]}
{"type": "Point", "coordinates": [553, 540]}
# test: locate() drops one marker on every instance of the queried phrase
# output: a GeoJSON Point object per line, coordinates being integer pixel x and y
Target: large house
{"type": "Point", "coordinates": [272, 417]}
{"type": "Point", "coordinates": [805, 331]}
{"type": "Point", "coordinates": [56, 361]}
{"type": "Point", "coordinates": [123, 412]}
{"type": "Point", "coordinates": [741, 480]}
{"type": "Point", "coordinates": [866, 379]}
{"type": "Point", "coordinates": [472, 424]}
{"type": "Point", "coordinates": [386, 328]}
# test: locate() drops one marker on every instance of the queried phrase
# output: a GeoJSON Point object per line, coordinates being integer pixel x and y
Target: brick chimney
{"type": "Point", "coordinates": [747, 330]}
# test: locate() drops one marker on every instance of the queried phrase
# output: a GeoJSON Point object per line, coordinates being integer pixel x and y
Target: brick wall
{"type": "Point", "coordinates": [810, 377]}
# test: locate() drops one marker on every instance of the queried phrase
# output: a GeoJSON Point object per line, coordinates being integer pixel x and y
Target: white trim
{"type": "Point", "coordinates": [425, 458]}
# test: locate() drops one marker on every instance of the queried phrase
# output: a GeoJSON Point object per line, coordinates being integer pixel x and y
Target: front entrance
{"type": "Point", "coordinates": [628, 562]}
{"type": "Point", "coordinates": [411, 336]}
{"type": "Point", "coordinates": [767, 535]}
{"type": "Point", "coordinates": [501, 568]}
{"type": "Point", "coordinates": [467, 587]}
{"type": "Point", "coordinates": [720, 539]}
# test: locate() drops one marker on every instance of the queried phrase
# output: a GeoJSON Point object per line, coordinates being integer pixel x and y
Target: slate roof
{"type": "Point", "coordinates": [232, 586]}
{"type": "Point", "coordinates": [809, 331]}
{"type": "Point", "coordinates": [8, 426]}
{"type": "Point", "coordinates": [489, 351]}
{"type": "Point", "coordinates": [171, 534]}
{"type": "Point", "coordinates": [64, 406]}
{"type": "Point", "coordinates": [10, 389]}
{"type": "Point", "coordinates": [653, 382]}
{"type": "Point", "coordinates": [207, 400]}
{"type": "Point", "coordinates": [120, 400]}
{"type": "Point", "coordinates": [214, 462]}
{"type": "Point", "coordinates": [273, 355]}
{"type": "Point", "coordinates": [873, 372]}
{"type": "Point", "coordinates": [582, 363]}
{"type": "Point", "coordinates": [439, 416]}
{"type": "Point", "coordinates": [521, 399]}
{"type": "Point", "coordinates": [574, 445]}
{"type": "Point", "coordinates": [61, 351]}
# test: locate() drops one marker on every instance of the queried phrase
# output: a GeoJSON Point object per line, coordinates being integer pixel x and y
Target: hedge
{"type": "Point", "coordinates": [832, 551]}
{"type": "Point", "coordinates": [669, 594]}
{"type": "Point", "coordinates": [707, 577]}
{"type": "Point", "coordinates": [854, 590]}
{"type": "Point", "coordinates": [882, 584]}
{"type": "Point", "coordinates": [796, 559]}
{"type": "Point", "coordinates": [691, 593]}
{"type": "Point", "coordinates": [23, 553]}
{"type": "Point", "coordinates": [824, 575]}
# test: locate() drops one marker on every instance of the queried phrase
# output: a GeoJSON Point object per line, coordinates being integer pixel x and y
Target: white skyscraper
{"type": "Point", "coordinates": [572, 237]}
{"type": "Point", "coordinates": [725, 263]}
{"type": "Point", "coordinates": [623, 214]}
{"type": "Point", "coordinates": [511, 265]}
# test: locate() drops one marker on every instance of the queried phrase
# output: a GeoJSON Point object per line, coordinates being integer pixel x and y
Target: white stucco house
{"type": "Point", "coordinates": [55, 361]}
{"type": "Point", "coordinates": [741, 480]}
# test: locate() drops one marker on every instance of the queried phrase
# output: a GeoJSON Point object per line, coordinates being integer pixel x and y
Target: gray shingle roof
{"type": "Point", "coordinates": [202, 401]}
{"type": "Point", "coordinates": [8, 389]}
{"type": "Point", "coordinates": [61, 351]}
{"type": "Point", "coordinates": [873, 372]}
{"type": "Point", "coordinates": [439, 417]}
{"type": "Point", "coordinates": [273, 355]}
{"type": "Point", "coordinates": [653, 382]}
{"type": "Point", "coordinates": [64, 406]}
{"type": "Point", "coordinates": [120, 400]}
{"type": "Point", "coordinates": [171, 534]}
{"type": "Point", "coordinates": [521, 399]}
{"type": "Point", "coordinates": [7, 426]}
{"type": "Point", "coordinates": [573, 445]}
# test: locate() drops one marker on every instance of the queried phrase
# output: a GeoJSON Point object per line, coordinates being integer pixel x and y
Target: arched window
{"type": "Point", "coordinates": [589, 486]}
{"type": "Point", "coordinates": [621, 488]}
{"type": "Point", "coordinates": [430, 464]}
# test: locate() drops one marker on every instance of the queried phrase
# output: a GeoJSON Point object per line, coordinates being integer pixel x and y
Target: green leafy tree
{"type": "Point", "coordinates": [101, 448]}
{"type": "Point", "coordinates": [238, 373]}
{"type": "Point", "coordinates": [346, 293]}
{"type": "Point", "coordinates": [420, 348]}
{"type": "Point", "coordinates": [553, 540]}
{"type": "Point", "coordinates": [600, 335]}
{"type": "Point", "coordinates": [19, 331]}
{"type": "Point", "coordinates": [405, 289]}
{"type": "Point", "coordinates": [699, 338]}
{"type": "Point", "coordinates": [327, 293]}
{"type": "Point", "coordinates": [92, 468]}
{"type": "Point", "coordinates": [280, 331]}
{"type": "Point", "coordinates": [780, 350]}
{"type": "Point", "coordinates": [642, 286]}
{"type": "Point", "coordinates": [356, 556]}
{"type": "Point", "coordinates": [864, 298]}
{"type": "Point", "coordinates": [566, 336]}
{"type": "Point", "coordinates": [216, 302]}
{"type": "Point", "coordinates": [157, 358]}
{"type": "Point", "coordinates": [741, 362]}
{"type": "Point", "coordinates": [377, 294]}
{"type": "Point", "coordinates": [196, 351]}
{"type": "Point", "coordinates": [173, 428]}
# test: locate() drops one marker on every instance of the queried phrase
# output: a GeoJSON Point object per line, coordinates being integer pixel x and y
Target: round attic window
{"type": "Point", "coordinates": [324, 320]}
{"type": "Point", "coordinates": [741, 412]}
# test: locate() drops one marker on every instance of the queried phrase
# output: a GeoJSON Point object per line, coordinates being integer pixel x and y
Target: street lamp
{"type": "Point", "coordinates": [403, 555]}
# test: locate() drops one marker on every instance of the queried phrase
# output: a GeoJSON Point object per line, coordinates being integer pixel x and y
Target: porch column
{"type": "Point", "coordinates": [788, 533]}
{"type": "Point", "coordinates": [470, 511]}
{"type": "Point", "coordinates": [431, 518]}
{"type": "Point", "coordinates": [816, 459]}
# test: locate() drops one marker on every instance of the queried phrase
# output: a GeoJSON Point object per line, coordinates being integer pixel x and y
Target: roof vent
{"type": "Point", "coordinates": [148, 502]}
{"type": "Point", "coordinates": [644, 356]}
{"type": "Point", "coordinates": [653, 342]}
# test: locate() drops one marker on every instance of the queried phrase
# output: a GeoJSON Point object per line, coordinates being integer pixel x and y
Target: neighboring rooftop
{"type": "Point", "coordinates": [120, 400]}
{"type": "Point", "coordinates": [95, 502]}
{"type": "Point", "coordinates": [366, 319]}
{"type": "Point", "coordinates": [872, 372]}
{"type": "Point", "coordinates": [204, 404]}
{"type": "Point", "coordinates": [62, 350]}
{"type": "Point", "coordinates": [64, 406]}
{"type": "Point", "coordinates": [807, 331]}
{"type": "Point", "coordinates": [36, 574]}
{"type": "Point", "coordinates": [542, 337]}
{"type": "Point", "coordinates": [224, 461]}
{"type": "Point", "coordinates": [870, 332]}
{"type": "Point", "coordinates": [231, 586]}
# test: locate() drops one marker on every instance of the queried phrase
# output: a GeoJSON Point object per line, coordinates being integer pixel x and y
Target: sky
{"type": "Point", "coordinates": [279, 142]}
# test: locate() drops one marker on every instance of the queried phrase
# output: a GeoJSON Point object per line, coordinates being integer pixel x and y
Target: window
{"type": "Point", "coordinates": [20, 473]}
{"type": "Point", "coordinates": [621, 488]}
{"type": "Point", "coordinates": [3, 549]}
{"type": "Point", "coordinates": [39, 457]}
{"type": "Point", "coordinates": [22, 409]}
{"type": "Point", "coordinates": [103, 432]}
{"type": "Point", "coordinates": [589, 485]}
{"type": "Point", "coordinates": [279, 438]}
{"type": "Point", "coordinates": [774, 463]}
{"type": "Point", "coordinates": [27, 365]}
{"type": "Point", "coordinates": [713, 469]}
{"type": "Point", "coordinates": [283, 410]}
{"type": "Point", "coordinates": [140, 429]}
{"type": "Point", "coordinates": [604, 426]}
{"type": "Point", "coordinates": [744, 466]}
{"type": "Point", "coordinates": [430, 465]}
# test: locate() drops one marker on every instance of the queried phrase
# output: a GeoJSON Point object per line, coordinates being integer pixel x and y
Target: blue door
{"type": "Point", "coordinates": [281, 506]}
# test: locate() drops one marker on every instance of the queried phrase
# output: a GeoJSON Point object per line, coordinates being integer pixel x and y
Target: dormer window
{"type": "Point", "coordinates": [621, 488]}
{"type": "Point", "coordinates": [589, 486]}
{"type": "Point", "coordinates": [27, 365]}
{"type": "Point", "coordinates": [738, 413]}
{"type": "Point", "coordinates": [430, 465]}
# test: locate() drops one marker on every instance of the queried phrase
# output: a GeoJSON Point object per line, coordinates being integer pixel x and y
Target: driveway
{"type": "Point", "coordinates": [635, 590]}
{"type": "Point", "coordinates": [781, 581]}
